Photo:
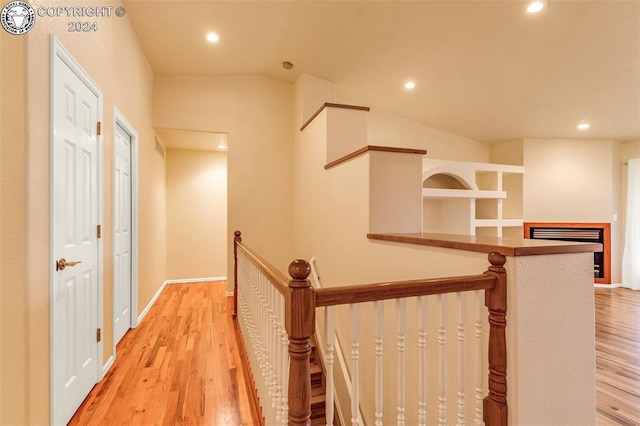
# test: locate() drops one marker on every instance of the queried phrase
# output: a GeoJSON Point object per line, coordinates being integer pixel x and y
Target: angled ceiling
{"type": "Point", "coordinates": [483, 69]}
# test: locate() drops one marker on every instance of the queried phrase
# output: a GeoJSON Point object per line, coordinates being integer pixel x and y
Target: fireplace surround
{"type": "Point", "coordinates": [578, 232]}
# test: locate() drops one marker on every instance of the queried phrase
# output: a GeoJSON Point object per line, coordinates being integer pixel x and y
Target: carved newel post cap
{"type": "Point", "coordinates": [299, 269]}
{"type": "Point", "coordinates": [237, 234]}
{"type": "Point", "coordinates": [497, 259]}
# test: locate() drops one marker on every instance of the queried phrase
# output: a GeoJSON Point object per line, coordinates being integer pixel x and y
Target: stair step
{"type": "Point", "coordinates": [320, 421]}
{"type": "Point", "coordinates": [316, 374]}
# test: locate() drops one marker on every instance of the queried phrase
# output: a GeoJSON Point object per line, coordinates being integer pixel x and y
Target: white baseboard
{"type": "Point", "coordinates": [150, 304]}
{"type": "Point", "coordinates": [108, 365]}
{"type": "Point", "coordinates": [180, 281]}
{"type": "Point", "coordinates": [618, 285]}
{"type": "Point", "coordinates": [195, 280]}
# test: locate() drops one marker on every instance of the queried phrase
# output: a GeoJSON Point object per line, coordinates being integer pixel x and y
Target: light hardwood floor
{"type": "Point", "coordinates": [618, 356]}
{"type": "Point", "coordinates": [180, 366]}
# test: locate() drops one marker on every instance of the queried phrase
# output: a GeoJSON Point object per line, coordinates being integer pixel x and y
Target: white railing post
{"type": "Point", "coordinates": [479, 296]}
{"type": "Point", "coordinates": [442, 356]}
{"type": "Point", "coordinates": [330, 332]}
{"type": "Point", "coordinates": [401, 318]}
{"type": "Point", "coordinates": [461, 370]}
{"type": "Point", "coordinates": [379, 387]}
{"type": "Point", "coordinates": [354, 313]}
{"type": "Point", "coordinates": [422, 361]}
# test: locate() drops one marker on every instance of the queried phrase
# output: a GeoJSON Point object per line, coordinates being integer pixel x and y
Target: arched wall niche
{"type": "Point", "coordinates": [438, 177]}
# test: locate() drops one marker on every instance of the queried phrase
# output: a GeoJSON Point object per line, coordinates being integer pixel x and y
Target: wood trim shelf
{"type": "Point", "coordinates": [485, 244]}
{"type": "Point", "coordinates": [332, 105]}
{"type": "Point", "coordinates": [373, 148]}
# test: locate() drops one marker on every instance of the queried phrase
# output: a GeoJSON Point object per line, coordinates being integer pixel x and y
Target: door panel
{"type": "Point", "coordinates": [122, 233]}
{"type": "Point", "coordinates": [74, 225]}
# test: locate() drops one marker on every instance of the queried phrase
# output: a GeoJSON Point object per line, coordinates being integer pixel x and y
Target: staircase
{"type": "Point", "coordinates": [318, 399]}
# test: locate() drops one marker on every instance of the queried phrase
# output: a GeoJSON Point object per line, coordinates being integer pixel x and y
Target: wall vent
{"type": "Point", "coordinates": [159, 148]}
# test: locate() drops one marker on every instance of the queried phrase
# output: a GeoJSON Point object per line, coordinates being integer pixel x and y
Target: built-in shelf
{"type": "Point", "coordinates": [482, 223]}
{"type": "Point", "coordinates": [470, 196]}
{"type": "Point", "coordinates": [462, 193]}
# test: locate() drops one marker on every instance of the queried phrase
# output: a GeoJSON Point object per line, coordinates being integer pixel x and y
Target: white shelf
{"type": "Point", "coordinates": [504, 223]}
{"type": "Point", "coordinates": [462, 193]}
{"type": "Point", "coordinates": [471, 176]}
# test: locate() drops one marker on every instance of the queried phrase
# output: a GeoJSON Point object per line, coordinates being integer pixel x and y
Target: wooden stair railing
{"type": "Point", "coordinates": [301, 301]}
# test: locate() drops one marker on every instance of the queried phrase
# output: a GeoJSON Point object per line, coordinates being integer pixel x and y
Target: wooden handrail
{"type": "Point", "coordinates": [399, 289]}
{"type": "Point", "coordinates": [277, 278]}
{"type": "Point", "coordinates": [301, 301]}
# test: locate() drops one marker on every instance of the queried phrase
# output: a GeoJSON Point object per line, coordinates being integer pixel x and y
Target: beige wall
{"type": "Point", "coordinates": [388, 130]}
{"type": "Point", "coordinates": [196, 214]}
{"type": "Point", "coordinates": [256, 113]}
{"type": "Point", "coordinates": [14, 325]}
{"type": "Point", "coordinates": [569, 180]}
{"type": "Point", "coordinates": [114, 59]}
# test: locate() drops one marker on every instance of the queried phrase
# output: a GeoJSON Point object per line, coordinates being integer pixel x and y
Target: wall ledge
{"type": "Point", "coordinates": [484, 244]}
{"type": "Point", "coordinates": [332, 105]}
{"type": "Point", "coordinates": [373, 148]}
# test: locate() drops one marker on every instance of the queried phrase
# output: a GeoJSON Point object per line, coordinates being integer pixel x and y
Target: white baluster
{"type": "Point", "coordinates": [273, 341]}
{"type": "Point", "coordinates": [330, 330]}
{"type": "Point", "coordinates": [285, 374]}
{"type": "Point", "coordinates": [442, 340]}
{"type": "Point", "coordinates": [461, 370]}
{"type": "Point", "coordinates": [401, 318]}
{"type": "Point", "coordinates": [379, 310]}
{"type": "Point", "coordinates": [479, 373]}
{"type": "Point", "coordinates": [354, 314]}
{"type": "Point", "coordinates": [278, 358]}
{"type": "Point", "coordinates": [422, 361]}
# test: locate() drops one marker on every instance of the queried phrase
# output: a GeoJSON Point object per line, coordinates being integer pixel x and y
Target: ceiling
{"type": "Point", "coordinates": [486, 70]}
{"type": "Point", "coordinates": [191, 139]}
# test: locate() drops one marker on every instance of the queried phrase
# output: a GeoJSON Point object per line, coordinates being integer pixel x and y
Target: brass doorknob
{"type": "Point", "coordinates": [63, 263]}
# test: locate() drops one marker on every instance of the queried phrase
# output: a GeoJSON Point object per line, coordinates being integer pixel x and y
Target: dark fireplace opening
{"type": "Point", "coordinates": [578, 232]}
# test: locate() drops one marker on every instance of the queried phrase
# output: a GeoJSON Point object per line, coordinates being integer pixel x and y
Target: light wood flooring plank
{"type": "Point", "coordinates": [617, 356]}
{"type": "Point", "coordinates": [180, 366]}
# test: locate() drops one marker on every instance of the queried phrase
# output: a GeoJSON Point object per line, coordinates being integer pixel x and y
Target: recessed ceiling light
{"type": "Point", "coordinates": [583, 126]}
{"type": "Point", "coordinates": [536, 6]}
{"type": "Point", "coordinates": [212, 37]}
{"type": "Point", "coordinates": [409, 85]}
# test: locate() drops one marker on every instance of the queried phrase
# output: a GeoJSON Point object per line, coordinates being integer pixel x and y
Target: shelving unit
{"type": "Point", "coordinates": [472, 198]}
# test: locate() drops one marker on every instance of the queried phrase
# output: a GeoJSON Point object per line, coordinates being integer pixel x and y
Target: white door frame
{"type": "Point", "coordinates": [58, 51]}
{"type": "Point", "coordinates": [119, 119]}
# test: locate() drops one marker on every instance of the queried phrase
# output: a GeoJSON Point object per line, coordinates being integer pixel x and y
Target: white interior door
{"type": "Point", "coordinates": [122, 233]}
{"type": "Point", "coordinates": [75, 214]}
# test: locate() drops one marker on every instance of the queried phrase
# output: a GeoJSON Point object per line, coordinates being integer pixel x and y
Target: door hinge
{"type": "Point", "coordinates": [99, 231]}
{"type": "Point", "coordinates": [98, 335]}
{"type": "Point", "coordinates": [99, 128]}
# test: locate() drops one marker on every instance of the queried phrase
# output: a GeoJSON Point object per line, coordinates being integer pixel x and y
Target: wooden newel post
{"type": "Point", "coordinates": [495, 404]}
{"type": "Point", "coordinates": [237, 238]}
{"type": "Point", "coordinates": [300, 323]}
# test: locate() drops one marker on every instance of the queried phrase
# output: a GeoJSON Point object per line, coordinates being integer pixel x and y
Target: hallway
{"type": "Point", "coordinates": [180, 366]}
